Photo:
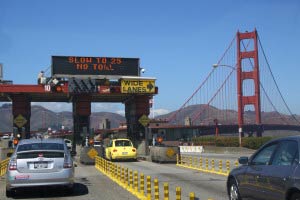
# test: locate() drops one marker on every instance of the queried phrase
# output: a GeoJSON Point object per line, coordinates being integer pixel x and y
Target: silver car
{"type": "Point", "coordinates": [40, 162]}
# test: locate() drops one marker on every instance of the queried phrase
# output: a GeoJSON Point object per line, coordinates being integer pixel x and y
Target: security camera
{"type": "Point", "coordinates": [143, 70]}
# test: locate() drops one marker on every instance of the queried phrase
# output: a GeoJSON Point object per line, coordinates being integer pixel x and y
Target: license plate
{"type": "Point", "coordinates": [124, 153]}
{"type": "Point", "coordinates": [40, 165]}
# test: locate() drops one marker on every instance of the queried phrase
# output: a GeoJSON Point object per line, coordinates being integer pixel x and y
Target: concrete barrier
{"type": "Point", "coordinates": [88, 154]}
{"type": "Point", "coordinates": [163, 153]}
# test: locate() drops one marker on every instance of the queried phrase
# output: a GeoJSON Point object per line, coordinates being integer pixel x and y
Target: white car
{"type": "Point", "coordinates": [5, 136]}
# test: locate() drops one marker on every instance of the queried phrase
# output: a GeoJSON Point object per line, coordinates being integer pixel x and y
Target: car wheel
{"type": "Point", "coordinates": [233, 190]}
{"type": "Point", "coordinates": [295, 196]}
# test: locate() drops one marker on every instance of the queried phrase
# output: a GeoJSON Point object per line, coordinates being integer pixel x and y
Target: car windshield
{"type": "Point", "coordinates": [40, 146]}
{"type": "Point", "coordinates": [122, 143]}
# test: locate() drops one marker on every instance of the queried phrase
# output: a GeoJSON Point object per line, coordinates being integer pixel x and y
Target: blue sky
{"type": "Point", "coordinates": [177, 41]}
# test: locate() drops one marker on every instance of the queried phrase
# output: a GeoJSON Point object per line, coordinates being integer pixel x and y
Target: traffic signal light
{"type": "Point", "coordinates": [56, 88]}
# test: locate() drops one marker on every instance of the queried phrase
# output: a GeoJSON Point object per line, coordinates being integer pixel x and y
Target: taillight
{"type": "Point", "coordinates": [115, 150]}
{"type": "Point", "coordinates": [133, 150]}
{"type": "Point", "coordinates": [12, 165]}
{"type": "Point", "coordinates": [67, 165]}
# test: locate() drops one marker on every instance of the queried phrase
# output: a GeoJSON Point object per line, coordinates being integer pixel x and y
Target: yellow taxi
{"type": "Point", "coordinates": [120, 149]}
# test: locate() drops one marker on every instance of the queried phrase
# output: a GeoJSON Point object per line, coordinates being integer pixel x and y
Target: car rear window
{"type": "Point", "coordinates": [40, 146]}
{"type": "Point", "coordinates": [122, 143]}
{"type": "Point", "coordinates": [40, 154]}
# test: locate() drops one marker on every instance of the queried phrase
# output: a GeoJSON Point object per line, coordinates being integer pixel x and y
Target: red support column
{"type": "Point", "coordinates": [242, 75]}
{"type": "Point", "coordinates": [81, 116]}
{"type": "Point", "coordinates": [134, 109]}
{"type": "Point", "coordinates": [21, 108]}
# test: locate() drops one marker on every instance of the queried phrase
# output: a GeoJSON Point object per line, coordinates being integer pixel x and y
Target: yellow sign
{"type": "Point", "coordinates": [137, 86]}
{"type": "Point", "coordinates": [20, 121]}
{"type": "Point", "coordinates": [170, 152]}
{"type": "Point", "coordinates": [92, 153]}
{"type": "Point", "coordinates": [144, 120]}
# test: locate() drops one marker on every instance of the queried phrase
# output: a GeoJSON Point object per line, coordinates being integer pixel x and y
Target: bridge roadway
{"type": "Point", "coordinates": [91, 184]}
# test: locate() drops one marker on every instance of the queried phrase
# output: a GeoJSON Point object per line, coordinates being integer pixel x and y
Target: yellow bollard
{"type": "Point", "coordinates": [201, 162]}
{"type": "Point", "coordinates": [220, 166]}
{"type": "Point", "coordinates": [213, 165]}
{"type": "Point", "coordinates": [130, 180]}
{"type": "Point", "coordinates": [166, 191]}
{"type": "Point", "coordinates": [192, 196]}
{"type": "Point", "coordinates": [109, 169]}
{"type": "Point", "coordinates": [180, 159]}
{"type": "Point", "coordinates": [156, 189]}
{"type": "Point", "coordinates": [178, 193]}
{"type": "Point", "coordinates": [191, 161]}
{"type": "Point", "coordinates": [206, 163]}
{"type": "Point", "coordinates": [236, 163]}
{"type": "Point", "coordinates": [228, 166]}
{"type": "Point", "coordinates": [149, 188]}
{"type": "Point", "coordinates": [177, 159]}
{"type": "Point", "coordinates": [115, 171]}
{"type": "Point", "coordinates": [142, 185]}
{"type": "Point", "coordinates": [126, 178]}
{"type": "Point", "coordinates": [119, 173]}
{"type": "Point", "coordinates": [136, 182]}
{"type": "Point", "coordinates": [195, 162]}
{"type": "Point", "coordinates": [122, 176]}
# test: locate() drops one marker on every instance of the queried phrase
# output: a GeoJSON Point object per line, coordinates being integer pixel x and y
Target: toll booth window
{"type": "Point", "coordinates": [122, 143]}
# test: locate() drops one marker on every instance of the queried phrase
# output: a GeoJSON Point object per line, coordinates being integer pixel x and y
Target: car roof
{"type": "Point", "coordinates": [121, 139]}
{"type": "Point", "coordinates": [37, 140]}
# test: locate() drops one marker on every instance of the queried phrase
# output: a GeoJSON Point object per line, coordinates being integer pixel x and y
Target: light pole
{"type": "Point", "coordinates": [223, 65]}
{"type": "Point", "coordinates": [240, 127]}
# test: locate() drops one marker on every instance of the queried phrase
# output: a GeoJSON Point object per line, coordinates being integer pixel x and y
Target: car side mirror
{"type": "Point", "coordinates": [243, 160]}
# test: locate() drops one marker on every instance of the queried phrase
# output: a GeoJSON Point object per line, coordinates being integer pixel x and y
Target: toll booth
{"type": "Point", "coordinates": [83, 80]}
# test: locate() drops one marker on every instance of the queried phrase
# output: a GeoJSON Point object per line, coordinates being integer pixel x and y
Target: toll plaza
{"type": "Point", "coordinates": [81, 81]}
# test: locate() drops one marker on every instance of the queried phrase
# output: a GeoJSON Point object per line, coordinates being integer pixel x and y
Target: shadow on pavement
{"type": "Point", "coordinates": [48, 192]}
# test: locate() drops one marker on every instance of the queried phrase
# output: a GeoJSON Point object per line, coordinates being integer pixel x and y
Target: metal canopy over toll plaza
{"type": "Point", "coordinates": [80, 81]}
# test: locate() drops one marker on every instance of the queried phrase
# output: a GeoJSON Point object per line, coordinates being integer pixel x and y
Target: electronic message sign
{"type": "Point", "coordinates": [74, 65]}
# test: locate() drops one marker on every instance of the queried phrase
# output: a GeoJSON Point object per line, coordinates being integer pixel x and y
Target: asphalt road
{"type": "Point", "coordinates": [205, 186]}
{"type": "Point", "coordinates": [90, 184]}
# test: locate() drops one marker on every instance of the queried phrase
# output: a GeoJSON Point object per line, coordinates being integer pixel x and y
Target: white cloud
{"type": "Point", "coordinates": [159, 111]}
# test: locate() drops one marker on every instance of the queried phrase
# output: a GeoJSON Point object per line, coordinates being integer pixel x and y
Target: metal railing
{"type": "Point", "coordinates": [214, 166]}
{"type": "Point", "coordinates": [3, 166]}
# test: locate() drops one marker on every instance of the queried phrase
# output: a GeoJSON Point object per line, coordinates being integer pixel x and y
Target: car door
{"type": "Point", "coordinates": [253, 183]}
{"type": "Point", "coordinates": [281, 169]}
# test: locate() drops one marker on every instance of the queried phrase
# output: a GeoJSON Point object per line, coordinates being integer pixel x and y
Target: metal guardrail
{"type": "Point", "coordinates": [134, 182]}
{"type": "Point", "coordinates": [213, 166]}
{"type": "Point", "coordinates": [3, 166]}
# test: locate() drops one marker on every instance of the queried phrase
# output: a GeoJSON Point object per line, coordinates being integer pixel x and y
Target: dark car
{"type": "Point", "coordinates": [272, 172]}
